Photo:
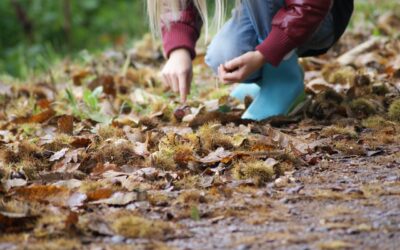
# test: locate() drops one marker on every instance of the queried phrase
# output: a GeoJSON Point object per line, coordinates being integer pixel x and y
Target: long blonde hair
{"type": "Point", "coordinates": [167, 11]}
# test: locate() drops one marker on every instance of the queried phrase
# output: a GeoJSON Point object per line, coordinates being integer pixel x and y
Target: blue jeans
{"type": "Point", "coordinates": [249, 25]}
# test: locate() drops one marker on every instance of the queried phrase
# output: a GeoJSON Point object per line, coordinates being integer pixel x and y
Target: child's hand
{"type": "Point", "coordinates": [238, 69]}
{"type": "Point", "coordinates": [178, 73]}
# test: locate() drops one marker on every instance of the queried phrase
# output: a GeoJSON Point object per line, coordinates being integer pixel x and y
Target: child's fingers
{"type": "Point", "coordinates": [232, 77]}
{"type": "Point", "coordinates": [165, 80]}
{"type": "Point", "coordinates": [221, 72]}
{"type": "Point", "coordinates": [233, 64]}
{"type": "Point", "coordinates": [189, 82]}
{"type": "Point", "coordinates": [183, 86]}
{"type": "Point", "coordinates": [174, 83]}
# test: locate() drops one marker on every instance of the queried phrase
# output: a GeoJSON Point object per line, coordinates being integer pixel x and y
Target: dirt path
{"type": "Point", "coordinates": [342, 203]}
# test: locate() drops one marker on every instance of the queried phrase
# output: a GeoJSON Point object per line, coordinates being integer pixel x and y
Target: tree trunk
{"type": "Point", "coordinates": [26, 23]}
{"type": "Point", "coordinates": [67, 20]}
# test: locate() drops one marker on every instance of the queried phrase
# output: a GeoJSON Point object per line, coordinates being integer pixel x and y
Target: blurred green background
{"type": "Point", "coordinates": [36, 33]}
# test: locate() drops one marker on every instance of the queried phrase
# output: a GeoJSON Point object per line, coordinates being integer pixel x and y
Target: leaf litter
{"type": "Point", "coordinates": [101, 154]}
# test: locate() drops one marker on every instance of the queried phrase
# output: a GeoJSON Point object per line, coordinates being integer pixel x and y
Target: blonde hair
{"type": "Point", "coordinates": [167, 11]}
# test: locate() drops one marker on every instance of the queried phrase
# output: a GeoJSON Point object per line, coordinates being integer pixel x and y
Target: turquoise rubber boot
{"type": "Point", "coordinates": [245, 89]}
{"type": "Point", "coordinates": [280, 89]}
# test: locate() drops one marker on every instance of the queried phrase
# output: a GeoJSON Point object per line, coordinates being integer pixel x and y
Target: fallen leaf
{"type": "Point", "coordinates": [216, 156]}
{"type": "Point", "coordinates": [56, 195]}
{"type": "Point", "coordinates": [15, 223]}
{"type": "Point", "coordinates": [118, 198]}
{"type": "Point", "coordinates": [59, 154]}
{"type": "Point", "coordinates": [76, 200]}
{"type": "Point", "coordinates": [81, 142]}
{"type": "Point", "coordinates": [8, 184]}
{"type": "Point", "coordinates": [38, 118]}
{"type": "Point", "coordinates": [66, 124]}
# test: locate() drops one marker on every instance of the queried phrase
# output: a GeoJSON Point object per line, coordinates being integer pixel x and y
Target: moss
{"type": "Point", "coordinates": [380, 89]}
{"type": "Point", "coordinates": [222, 140]}
{"type": "Point", "coordinates": [350, 148]}
{"type": "Point", "coordinates": [254, 169]}
{"type": "Point", "coordinates": [174, 151]}
{"type": "Point", "coordinates": [166, 110]}
{"type": "Point", "coordinates": [150, 123]}
{"type": "Point", "coordinates": [132, 226]}
{"type": "Point", "coordinates": [211, 138]}
{"type": "Point", "coordinates": [60, 243]}
{"type": "Point", "coordinates": [362, 107]}
{"type": "Point", "coordinates": [30, 167]}
{"type": "Point", "coordinates": [193, 140]}
{"type": "Point", "coordinates": [164, 159]}
{"type": "Point", "coordinates": [27, 150]}
{"type": "Point", "coordinates": [334, 130]}
{"type": "Point", "coordinates": [376, 122]}
{"type": "Point", "coordinates": [394, 110]}
{"type": "Point", "coordinates": [158, 198]}
{"type": "Point", "coordinates": [16, 206]}
{"type": "Point", "coordinates": [8, 156]}
{"type": "Point", "coordinates": [59, 142]}
{"type": "Point", "coordinates": [206, 133]}
{"type": "Point", "coordinates": [183, 154]}
{"type": "Point", "coordinates": [50, 225]}
{"type": "Point", "coordinates": [119, 152]}
{"type": "Point", "coordinates": [89, 186]}
{"type": "Point", "coordinates": [188, 182]}
{"type": "Point", "coordinates": [344, 75]}
{"type": "Point", "coordinates": [13, 238]}
{"type": "Point", "coordinates": [107, 132]}
{"type": "Point", "coordinates": [190, 197]}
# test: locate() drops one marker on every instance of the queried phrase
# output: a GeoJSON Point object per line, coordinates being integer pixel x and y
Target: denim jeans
{"type": "Point", "coordinates": [249, 25]}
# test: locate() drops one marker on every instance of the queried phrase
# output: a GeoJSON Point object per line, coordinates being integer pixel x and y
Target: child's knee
{"type": "Point", "coordinates": [220, 52]}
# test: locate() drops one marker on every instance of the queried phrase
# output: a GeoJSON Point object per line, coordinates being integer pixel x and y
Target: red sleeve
{"type": "Point", "coordinates": [292, 26]}
{"type": "Point", "coordinates": [183, 33]}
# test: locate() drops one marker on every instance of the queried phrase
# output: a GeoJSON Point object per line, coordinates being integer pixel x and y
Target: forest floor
{"type": "Point", "coordinates": [98, 155]}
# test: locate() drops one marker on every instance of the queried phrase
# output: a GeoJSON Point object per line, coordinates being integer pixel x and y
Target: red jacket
{"type": "Point", "coordinates": [291, 27]}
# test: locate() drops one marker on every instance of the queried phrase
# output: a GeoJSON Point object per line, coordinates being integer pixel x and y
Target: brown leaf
{"type": "Point", "coordinates": [101, 168]}
{"type": "Point", "coordinates": [38, 118]}
{"type": "Point", "coordinates": [42, 117]}
{"type": "Point", "coordinates": [81, 142]}
{"type": "Point", "coordinates": [66, 124]}
{"type": "Point", "coordinates": [71, 221]}
{"type": "Point", "coordinates": [118, 198]}
{"type": "Point", "coordinates": [44, 103]}
{"type": "Point", "coordinates": [15, 223]}
{"type": "Point", "coordinates": [77, 77]}
{"type": "Point", "coordinates": [99, 194]}
{"type": "Point", "coordinates": [108, 85]}
{"type": "Point", "coordinates": [54, 194]}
